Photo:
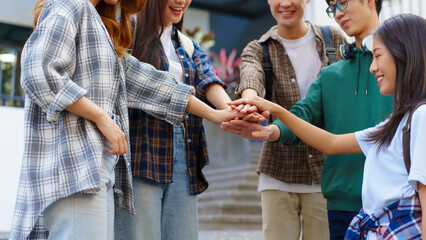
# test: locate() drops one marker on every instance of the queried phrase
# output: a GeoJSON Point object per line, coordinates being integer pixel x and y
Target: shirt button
{"type": "Point", "coordinates": [181, 56]}
{"type": "Point", "coordinates": [293, 80]}
{"type": "Point", "coordinates": [189, 140]}
{"type": "Point", "coordinates": [187, 116]}
{"type": "Point", "coordinates": [310, 155]}
{"type": "Point", "coordinates": [186, 75]}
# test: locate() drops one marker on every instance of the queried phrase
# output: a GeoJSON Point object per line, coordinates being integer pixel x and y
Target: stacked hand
{"type": "Point", "coordinates": [247, 125]}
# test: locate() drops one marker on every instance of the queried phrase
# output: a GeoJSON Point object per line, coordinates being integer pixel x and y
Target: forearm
{"type": "Point", "coordinates": [274, 132]}
{"type": "Point", "coordinates": [87, 109]}
{"type": "Point", "coordinates": [318, 138]}
{"type": "Point", "coordinates": [199, 108]}
{"type": "Point", "coordinates": [249, 93]}
{"type": "Point", "coordinates": [217, 96]}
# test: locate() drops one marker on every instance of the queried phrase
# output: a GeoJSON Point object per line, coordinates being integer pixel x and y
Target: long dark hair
{"type": "Point", "coordinates": [147, 43]}
{"type": "Point", "coordinates": [403, 36]}
{"type": "Point", "coordinates": [120, 33]}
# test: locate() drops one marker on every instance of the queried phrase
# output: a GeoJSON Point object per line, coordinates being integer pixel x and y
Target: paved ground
{"type": "Point", "coordinates": [209, 235]}
{"type": "Point", "coordinates": [230, 235]}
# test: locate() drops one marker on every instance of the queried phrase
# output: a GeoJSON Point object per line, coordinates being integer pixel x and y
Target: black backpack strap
{"type": "Point", "coordinates": [406, 137]}
{"type": "Point", "coordinates": [329, 47]}
{"type": "Point", "coordinates": [267, 69]}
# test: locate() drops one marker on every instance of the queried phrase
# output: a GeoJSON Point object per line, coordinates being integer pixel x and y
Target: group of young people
{"type": "Point", "coordinates": [114, 144]}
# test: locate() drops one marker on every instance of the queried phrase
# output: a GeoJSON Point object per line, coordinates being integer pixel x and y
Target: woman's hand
{"type": "Point", "coordinates": [113, 133]}
{"type": "Point", "coordinates": [260, 103]}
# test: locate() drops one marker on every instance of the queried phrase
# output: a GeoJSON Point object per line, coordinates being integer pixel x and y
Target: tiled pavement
{"type": "Point", "coordinates": [209, 235]}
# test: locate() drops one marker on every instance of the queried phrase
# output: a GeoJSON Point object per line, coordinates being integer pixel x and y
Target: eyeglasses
{"type": "Point", "coordinates": [339, 4]}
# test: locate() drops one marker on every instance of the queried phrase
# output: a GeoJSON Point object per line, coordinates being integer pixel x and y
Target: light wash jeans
{"type": "Point", "coordinates": [163, 211]}
{"type": "Point", "coordinates": [85, 216]}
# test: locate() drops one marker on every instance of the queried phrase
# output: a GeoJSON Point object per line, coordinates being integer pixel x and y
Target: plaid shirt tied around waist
{"type": "Point", "coordinates": [151, 139]}
{"type": "Point", "coordinates": [400, 220]}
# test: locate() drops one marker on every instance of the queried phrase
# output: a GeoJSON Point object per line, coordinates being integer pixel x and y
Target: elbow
{"type": "Point", "coordinates": [329, 151]}
{"type": "Point", "coordinates": [332, 147]}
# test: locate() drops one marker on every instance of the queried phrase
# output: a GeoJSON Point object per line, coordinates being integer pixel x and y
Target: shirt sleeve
{"type": "Point", "coordinates": [362, 137]}
{"type": "Point", "coordinates": [309, 109]}
{"type": "Point", "coordinates": [205, 74]}
{"type": "Point", "coordinates": [48, 63]}
{"type": "Point", "coordinates": [252, 75]}
{"type": "Point", "coordinates": [155, 92]}
{"type": "Point", "coordinates": [418, 148]}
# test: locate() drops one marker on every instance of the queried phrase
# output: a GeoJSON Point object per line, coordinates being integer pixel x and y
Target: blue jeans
{"type": "Point", "coordinates": [85, 217]}
{"type": "Point", "coordinates": [338, 223]}
{"type": "Point", "coordinates": [163, 211]}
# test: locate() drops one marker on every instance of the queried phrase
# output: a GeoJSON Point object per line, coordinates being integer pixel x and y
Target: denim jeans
{"type": "Point", "coordinates": [163, 211]}
{"type": "Point", "coordinates": [338, 223]}
{"type": "Point", "coordinates": [85, 216]}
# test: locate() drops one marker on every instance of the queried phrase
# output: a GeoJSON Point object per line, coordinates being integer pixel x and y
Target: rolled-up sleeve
{"type": "Point", "coordinates": [155, 92]}
{"type": "Point", "coordinates": [251, 70]}
{"type": "Point", "coordinates": [48, 62]}
{"type": "Point", "coordinates": [205, 72]}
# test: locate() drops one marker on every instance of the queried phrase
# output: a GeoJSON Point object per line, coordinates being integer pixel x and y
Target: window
{"type": "Point", "coordinates": [11, 93]}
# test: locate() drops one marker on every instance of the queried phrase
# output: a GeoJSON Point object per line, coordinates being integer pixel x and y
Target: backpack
{"type": "Point", "coordinates": [267, 64]}
{"type": "Point", "coordinates": [406, 137]}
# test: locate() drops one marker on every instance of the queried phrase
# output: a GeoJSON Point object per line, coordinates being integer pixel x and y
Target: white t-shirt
{"type": "Point", "coordinates": [304, 58]}
{"type": "Point", "coordinates": [306, 63]}
{"type": "Point", "coordinates": [385, 177]}
{"type": "Point", "coordinates": [175, 66]}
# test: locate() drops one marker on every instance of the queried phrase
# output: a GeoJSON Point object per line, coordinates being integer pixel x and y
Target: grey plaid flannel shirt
{"type": "Point", "coordinates": [68, 56]}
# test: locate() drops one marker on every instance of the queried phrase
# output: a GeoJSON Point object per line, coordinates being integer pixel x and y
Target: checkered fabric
{"type": "Point", "coordinates": [300, 164]}
{"type": "Point", "coordinates": [400, 220]}
{"type": "Point", "coordinates": [70, 55]}
{"type": "Point", "coordinates": [151, 139]}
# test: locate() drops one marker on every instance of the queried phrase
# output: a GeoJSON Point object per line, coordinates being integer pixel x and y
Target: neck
{"type": "Point", "coordinates": [293, 33]}
{"type": "Point", "coordinates": [368, 31]}
{"type": "Point", "coordinates": [94, 2]}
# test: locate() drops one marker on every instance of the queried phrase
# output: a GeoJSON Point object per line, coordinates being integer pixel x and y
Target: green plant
{"type": "Point", "coordinates": [206, 40]}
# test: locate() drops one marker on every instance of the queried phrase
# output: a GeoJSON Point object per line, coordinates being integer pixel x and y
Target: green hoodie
{"type": "Point", "coordinates": [345, 98]}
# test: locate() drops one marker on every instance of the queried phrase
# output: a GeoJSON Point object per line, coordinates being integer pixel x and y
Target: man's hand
{"type": "Point", "coordinates": [250, 130]}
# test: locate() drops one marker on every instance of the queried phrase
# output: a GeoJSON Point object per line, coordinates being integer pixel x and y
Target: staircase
{"type": "Point", "coordinates": [232, 202]}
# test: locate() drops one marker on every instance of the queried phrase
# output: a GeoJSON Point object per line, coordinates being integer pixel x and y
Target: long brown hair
{"type": "Point", "coordinates": [119, 32]}
{"type": "Point", "coordinates": [403, 36]}
{"type": "Point", "coordinates": [147, 43]}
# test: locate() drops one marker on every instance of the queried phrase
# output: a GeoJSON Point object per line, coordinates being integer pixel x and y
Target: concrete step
{"type": "Point", "coordinates": [230, 195]}
{"type": "Point", "coordinates": [227, 207]}
{"type": "Point", "coordinates": [240, 175]}
{"type": "Point", "coordinates": [232, 170]}
{"type": "Point", "coordinates": [215, 222]}
{"type": "Point", "coordinates": [248, 185]}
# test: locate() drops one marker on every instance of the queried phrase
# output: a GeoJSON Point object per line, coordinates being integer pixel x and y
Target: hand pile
{"type": "Point", "coordinates": [247, 124]}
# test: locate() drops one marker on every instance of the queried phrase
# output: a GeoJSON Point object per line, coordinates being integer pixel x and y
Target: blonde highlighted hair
{"type": "Point", "coordinates": [120, 33]}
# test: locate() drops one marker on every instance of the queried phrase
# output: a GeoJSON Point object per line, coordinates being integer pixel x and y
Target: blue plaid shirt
{"type": "Point", "coordinates": [151, 139]}
{"type": "Point", "coordinates": [399, 220]}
